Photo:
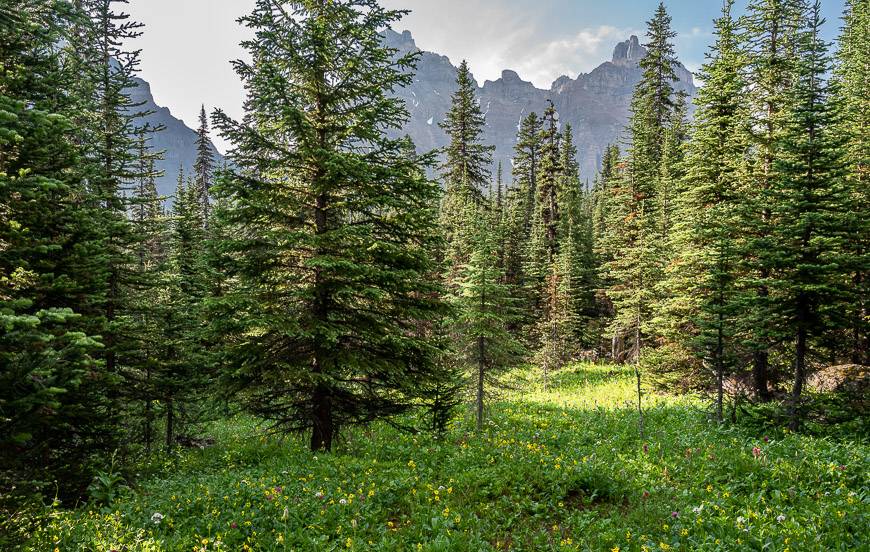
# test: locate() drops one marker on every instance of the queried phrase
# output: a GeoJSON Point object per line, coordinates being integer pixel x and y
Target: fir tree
{"type": "Point", "coordinates": [853, 81]}
{"type": "Point", "coordinates": [203, 167]}
{"type": "Point", "coordinates": [466, 168]}
{"type": "Point", "coordinates": [331, 225]}
{"type": "Point", "coordinates": [703, 279]}
{"type": "Point", "coordinates": [770, 31]}
{"type": "Point", "coordinates": [809, 202]}
{"type": "Point", "coordinates": [635, 268]}
{"type": "Point", "coordinates": [521, 197]}
{"type": "Point", "coordinates": [484, 308]}
{"type": "Point", "coordinates": [56, 418]}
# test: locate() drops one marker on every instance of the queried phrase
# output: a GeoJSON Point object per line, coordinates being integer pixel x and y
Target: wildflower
{"type": "Point", "coordinates": [765, 439]}
{"type": "Point", "coordinates": [756, 452]}
{"type": "Point", "coordinates": [318, 494]}
{"type": "Point", "coordinates": [204, 542]}
{"type": "Point", "coordinates": [349, 542]}
{"type": "Point", "coordinates": [645, 494]}
{"type": "Point", "coordinates": [675, 515]}
{"type": "Point", "coordinates": [645, 448]}
{"type": "Point", "coordinates": [780, 518]}
{"type": "Point", "coordinates": [343, 501]}
{"type": "Point", "coordinates": [614, 549]}
{"type": "Point", "coordinates": [156, 518]}
{"type": "Point", "coordinates": [280, 539]}
{"type": "Point", "coordinates": [234, 525]}
{"type": "Point", "coordinates": [697, 509]}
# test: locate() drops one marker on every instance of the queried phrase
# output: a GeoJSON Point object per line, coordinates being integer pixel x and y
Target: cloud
{"type": "Point", "coordinates": [494, 36]}
{"type": "Point", "coordinates": [571, 55]}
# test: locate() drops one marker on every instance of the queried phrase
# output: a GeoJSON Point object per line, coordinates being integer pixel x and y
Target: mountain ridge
{"type": "Point", "coordinates": [596, 104]}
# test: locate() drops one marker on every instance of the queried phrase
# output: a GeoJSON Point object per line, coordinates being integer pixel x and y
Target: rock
{"type": "Point", "coordinates": [596, 104]}
{"type": "Point", "coordinates": [849, 378]}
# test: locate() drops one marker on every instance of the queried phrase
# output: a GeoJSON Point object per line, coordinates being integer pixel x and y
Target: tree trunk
{"type": "Point", "coordinates": [760, 375]}
{"type": "Point", "coordinates": [323, 426]}
{"type": "Point", "coordinates": [170, 424]}
{"type": "Point", "coordinates": [720, 374]}
{"type": "Point", "coordinates": [481, 350]}
{"type": "Point", "coordinates": [799, 366]}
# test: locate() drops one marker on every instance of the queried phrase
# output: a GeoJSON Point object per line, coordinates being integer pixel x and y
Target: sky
{"type": "Point", "coordinates": [188, 44]}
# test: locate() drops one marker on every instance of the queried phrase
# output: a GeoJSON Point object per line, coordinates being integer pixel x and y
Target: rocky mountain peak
{"type": "Point", "coordinates": [628, 53]}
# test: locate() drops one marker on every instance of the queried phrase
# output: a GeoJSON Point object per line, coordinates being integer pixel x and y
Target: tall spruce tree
{"type": "Point", "coordinates": [203, 167]}
{"type": "Point", "coordinates": [56, 419]}
{"type": "Point", "coordinates": [542, 280]}
{"type": "Point", "coordinates": [853, 81]}
{"type": "Point", "coordinates": [702, 281]}
{"type": "Point", "coordinates": [484, 309]}
{"type": "Point", "coordinates": [636, 266]}
{"type": "Point", "coordinates": [522, 196]}
{"type": "Point", "coordinates": [465, 170]}
{"type": "Point", "coordinates": [331, 223]}
{"type": "Point", "coordinates": [769, 38]}
{"type": "Point", "coordinates": [809, 204]}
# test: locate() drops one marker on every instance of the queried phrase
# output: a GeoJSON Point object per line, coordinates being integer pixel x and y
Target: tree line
{"type": "Point", "coordinates": [322, 280]}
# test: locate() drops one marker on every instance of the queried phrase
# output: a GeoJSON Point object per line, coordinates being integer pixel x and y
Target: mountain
{"type": "Point", "coordinates": [596, 104]}
{"type": "Point", "coordinates": [177, 141]}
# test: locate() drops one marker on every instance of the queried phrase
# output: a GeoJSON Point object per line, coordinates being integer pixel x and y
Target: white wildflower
{"type": "Point", "coordinates": [156, 518]}
{"type": "Point", "coordinates": [780, 518]}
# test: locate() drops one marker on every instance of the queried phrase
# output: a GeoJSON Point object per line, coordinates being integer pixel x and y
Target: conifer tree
{"type": "Point", "coordinates": [542, 280]}
{"type": "Point", "coordinates": [576, 259]}
{"type": "Point", "coordinates": [701, 312]}
{"type": "Point", "coordinates": [484, 308]}
{"type": "Point", "coordinates": [809, 205]}
{"type": "Point", "coordinates": [522, 196]}
{"type": "Point", "coordinates": [56, 418]}
{"type": "Point", "coordinates": [466, 168]}
{"type": "Point", "coordinates": [770, 31]}
{"type": "Point", "coordinates": [635, 269]}
{"type": "Point", "coordinates": [111, 127]}
{"type": "Point", "coordinates": [331, 225]}
{"type": "Point", "coordinates": [852, 82]}
{"type": "Point", "coordinates": [203, 167]}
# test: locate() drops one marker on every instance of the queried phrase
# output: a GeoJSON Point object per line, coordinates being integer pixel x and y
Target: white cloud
{"type": "Point", "coordinates": [494, 36]}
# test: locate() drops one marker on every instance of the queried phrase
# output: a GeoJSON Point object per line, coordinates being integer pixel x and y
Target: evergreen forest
{"type": "Point", "coordinates": [336, 341]}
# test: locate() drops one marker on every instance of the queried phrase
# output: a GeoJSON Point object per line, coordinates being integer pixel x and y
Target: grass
{"type": "Point", "coordinates": [559, 469]}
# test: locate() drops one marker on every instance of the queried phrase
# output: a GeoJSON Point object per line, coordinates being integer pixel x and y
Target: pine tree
{"type": "Point", "coordinates": [853, 81]}
{"type": "Point", "coordinates": [56, 419]}
{"type": "Point", "coordinates": [181, 375]}
{"type": "Point", "coordinates": [484, 308]}
{"type": "Point", "coordinates": [466, 168]}
{"type": "Point", "coordinates": [809, 205]}
{"type": "Point", "coordinates": [703, 279]}
{"type": "Point", "coordinates": [203, 167]}
{"type": "Point", "coordinates": [521, 197]}
{"type": "Point", "coordinates": [770, 31]}
{"type": "Point", "coordinates": [542, 278]}
{"type": "Point", "coordinates": [576, 259]}
{"type": "Point", "coordinates": [331, 225]}
{"type": "Point", "coordinates": [635, 269]}
{"type": "Point", "coordinates": [111, 123]}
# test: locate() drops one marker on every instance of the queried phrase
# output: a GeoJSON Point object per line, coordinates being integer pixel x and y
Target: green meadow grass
{"type": "Point", "coordinates": [558, 469]}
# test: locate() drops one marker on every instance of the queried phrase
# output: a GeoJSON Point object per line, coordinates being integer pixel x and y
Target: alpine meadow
{"type": "Point", "coordinates": [380, 307]}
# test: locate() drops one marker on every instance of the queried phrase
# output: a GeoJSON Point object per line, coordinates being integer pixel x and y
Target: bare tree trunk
{"type": "Point", "coordinates": [170, 424]}
{"type": "Point", "coordinates": [481, 368]}
{"type": "Point", "coordinates": [720, 370]}
{"type": "Point", "coordinates": [799, 365]}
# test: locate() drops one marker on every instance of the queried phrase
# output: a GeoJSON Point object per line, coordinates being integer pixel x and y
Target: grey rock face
{"type": "Point", "coordinates": [177, 141]}
{"type": "Point", "coordinates": [596, 104]}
